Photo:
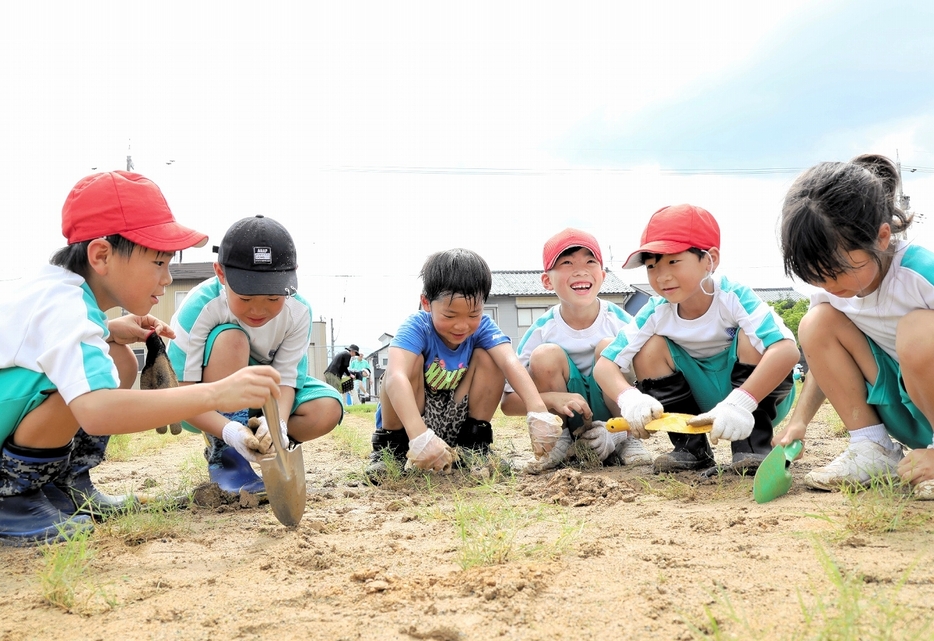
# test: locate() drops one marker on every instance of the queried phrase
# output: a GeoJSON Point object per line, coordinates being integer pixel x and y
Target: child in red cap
{"type": "Point", "coordinates": [63, 364]}
{"type": "Point", "coordinates": [560, 348]}
{"type": "Point", "coordinates": [705, 345]}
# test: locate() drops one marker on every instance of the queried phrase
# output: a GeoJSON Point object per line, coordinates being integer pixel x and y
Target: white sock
{"type": "Point", "coordinates": [874, 433]}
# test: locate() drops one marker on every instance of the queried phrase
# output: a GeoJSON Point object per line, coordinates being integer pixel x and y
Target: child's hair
{"type": "Point", "coordinates": [74, 257]}
{"type": "Point", "coordinates": [694, 250]}
{"type": "Point", "coordinates": [456, 272]}
{"type": "Point", "coordinates": [838, 207]}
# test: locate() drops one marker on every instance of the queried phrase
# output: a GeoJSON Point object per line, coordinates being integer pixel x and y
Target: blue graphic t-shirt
{"type": "Point", "coordinates": [444, 367]}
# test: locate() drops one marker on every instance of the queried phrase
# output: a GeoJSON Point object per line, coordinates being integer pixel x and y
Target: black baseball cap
{"type": "Point", "coordinates": [258, 257]}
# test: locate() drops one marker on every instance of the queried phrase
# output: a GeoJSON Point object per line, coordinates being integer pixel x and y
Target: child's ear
{"type": "Point", "coordinates": [100, 253]}
{"type": "Point", "coordinates": [546, 282]}
{"type": "Point", "coordinates": [426, 304]}
{"type": "Point", "coordinates": [714, 253]}
{"type": "Point", "coordinates": [219, 272]}
{"type": "Point", "coordinates": [885, 236]}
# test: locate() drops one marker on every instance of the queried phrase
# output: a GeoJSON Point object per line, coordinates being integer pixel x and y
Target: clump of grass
{"type": "Point", "coordinates": [352, 440]}
{"type": "Point", "coordinates": [64, 577]}
{"type": "Point", "coordinates": [492, 531]}
{"type": "Point", "coordinates": [668, 487]}
{"type": "Point", "coordinates": [156, 519]}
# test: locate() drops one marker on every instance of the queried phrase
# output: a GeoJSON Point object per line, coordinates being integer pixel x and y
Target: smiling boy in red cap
{"type": "Point", "coordinates": [63, 364]}
{"type": "Point", "coordinates": [560, 348]}
{"type": "Point", "coordinates": [705, 345]}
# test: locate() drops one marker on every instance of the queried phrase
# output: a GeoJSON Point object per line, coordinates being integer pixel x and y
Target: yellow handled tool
{"type": "Point", "coordinates": [669, 422]}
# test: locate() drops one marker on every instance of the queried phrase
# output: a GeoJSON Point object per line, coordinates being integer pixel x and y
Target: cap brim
{"type": "Point", "coordinates": [167, 237]}
{"type": "Point", "coordinates": [655, 247]}
{"type": "Point", "coordinates": [257, 283]}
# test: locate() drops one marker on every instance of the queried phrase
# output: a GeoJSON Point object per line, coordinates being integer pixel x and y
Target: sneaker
{"type": "Point", "coordinates": [632, 452]}
{"type": "Point", "coordinates": [858, 464]}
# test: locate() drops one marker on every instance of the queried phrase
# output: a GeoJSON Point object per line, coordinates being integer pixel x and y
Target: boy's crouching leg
{"type": "Point", "coordinates": [226, 467]}
{"type": "Point", "coordinates": [691, 451]}
{"type": "Point", "coordinates": [75, 481]}
{"type": "Point", "coordinates": [392, 444]}
{"type": "Point", "coordinates": [749, 453]}
{"type": "Point", "coordinates": [26, 515]}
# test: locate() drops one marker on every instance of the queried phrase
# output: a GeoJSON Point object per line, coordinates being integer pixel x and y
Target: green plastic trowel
{"type": "Point", "coordinates": [773, 479]}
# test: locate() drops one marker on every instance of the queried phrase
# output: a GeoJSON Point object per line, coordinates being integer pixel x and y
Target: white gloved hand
{"type": "Point", "coordinates": [262, 431]}
{"type": "Point", "coordinates": [428, 452]}
{"type": "Point", "coordinates": [638, 409]}
{"type": "Point", "coordinates": [557, 455]}
{"type": "Point", "coordinates": [602, 442]}
{"type": "Point", "coordinates": [241, 438]}
{"type": "Point", "coordinates": [732, 417]}
{"type": "Point", "coordinates": [544, 430]}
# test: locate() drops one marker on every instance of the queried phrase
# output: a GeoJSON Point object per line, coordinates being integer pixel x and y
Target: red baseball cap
{"type": "Point", "coordinates": [565, 240]}
{"type": "Point", "coordinates": [121, 202]}
{"type": "Point", "coordinates": [674, 229]}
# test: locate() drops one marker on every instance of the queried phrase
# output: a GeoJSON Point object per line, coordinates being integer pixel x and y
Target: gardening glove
{"type": "Point", "coordinates": [602, 442]}
{"type": "Point", "coordinates": [544, 429]}
{"type": "Point", "coordinates": [241, 438]}
{"type": "Point", "coordinates": [732, 417]}
{"type": "Point", "coordinates": [428, 452]}
{"type": "Point", "coordinates": [638, 409]}
{"type": "Point", "coordinates": [555, 456]}
{"type": "Point", "coordinates": [261, 429]}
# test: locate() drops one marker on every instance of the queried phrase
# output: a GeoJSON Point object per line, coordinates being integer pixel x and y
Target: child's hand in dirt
{"type": "Point", "coordinates": [428, 452]}
{"type": "Point", "coordinates": [553, 458]}
{"type": "Point", "coordinates": [544, 430]}
{"type": "Point", "coordinates": [791, 433]}
{"type": "Point", "coordinates": [917, 466]}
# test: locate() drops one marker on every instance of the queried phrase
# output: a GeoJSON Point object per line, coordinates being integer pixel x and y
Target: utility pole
{"type": "Point", "coordinates": [332, 340]}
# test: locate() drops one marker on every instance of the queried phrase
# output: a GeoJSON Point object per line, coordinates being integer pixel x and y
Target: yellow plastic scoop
{"type": "Point", "coordinates": [669, 422]}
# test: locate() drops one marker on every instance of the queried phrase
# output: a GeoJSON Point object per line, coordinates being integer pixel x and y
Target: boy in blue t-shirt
{"type": "Point", "coordinates": [248, 314]}
{"type": "Point", "coordinates": [448, 364]}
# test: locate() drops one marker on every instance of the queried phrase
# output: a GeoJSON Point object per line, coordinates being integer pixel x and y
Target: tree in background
{"type": "Point", "coordinates": [791, 312]}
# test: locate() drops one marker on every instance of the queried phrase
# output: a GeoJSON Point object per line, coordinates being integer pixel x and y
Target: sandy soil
{"type": "Point", "coordinates": [614, 553]}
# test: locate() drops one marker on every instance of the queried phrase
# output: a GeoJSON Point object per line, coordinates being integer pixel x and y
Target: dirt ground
{"type": "Point", "coordinates": [614, 553]}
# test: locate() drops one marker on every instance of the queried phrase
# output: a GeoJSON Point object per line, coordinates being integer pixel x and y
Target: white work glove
{"type": "Point", "coordinates": [732, 417]}
{"type": "Point", "coordinates": [554, 457]}
{"type": "Point", "coordinates": [241, 438]}
{"type": "Point", "coordinates": [602, 442]}
{"type": "Point", "coordinates": [544, 429]}
{"type": "Point", "coordinates": [428, 452]}
{"type": "Point", "coordinates": [262, 432]}
{"type": "Point", "coordinates": [638, 409]}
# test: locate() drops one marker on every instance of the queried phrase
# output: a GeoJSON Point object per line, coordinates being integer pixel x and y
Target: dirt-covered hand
{"type": "Point", "coordinates": [261, 431]}
{"type": "Point", "coordinates": [731, 418]}
{"type": "Point", "coordinates": [557, 455]}
{"type": "Point", "coordinates": [428, 452]}
{"type": "Point", "coordinates": [602, 442]}
{"type": "Point", "coordinates": [544, 430]}
{"type": "Point", "coordinates": [241, 438]}
{"type": "Point", "coordinates": [157, 373]}
{"type": "Point", "coordinates": [638, 409]}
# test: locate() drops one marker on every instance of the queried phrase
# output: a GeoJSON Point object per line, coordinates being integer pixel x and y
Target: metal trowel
{"type": "Point", "coordinates": [284, 474]}
{"type": "Point", "coordinates": [773, 479]}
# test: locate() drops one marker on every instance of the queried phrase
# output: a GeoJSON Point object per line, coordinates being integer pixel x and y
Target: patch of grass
{"type": "Point", "coordinates": [123, 447]}
{"type": "Point", "coordinates": [849, 606]}
{"type": "Point", "coordinates": [885, 506]}
{"type": "Point", "coordinates": [64, 574]}
{"type": "Point", "coordinates": [668, 487]}
{"type": "Point", "coordinates": [365, 408]}
{"type": "Point", "coordinates": [492, 531]}
{"type": "Point", "coordinates": [156, 519]}
{"type": "Point", "coordinates": [352, 440]}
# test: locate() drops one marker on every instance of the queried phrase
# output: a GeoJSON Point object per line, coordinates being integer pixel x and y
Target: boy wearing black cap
{"type": "Point", "coordinates": [250, 313]}
{"type": "Point", "coordinates": [704, 344]}
{"type": "Point", "coordinates": [339, 368]}
{"type": "Point", "coordinates": [560, 348]}
{"type": "Point", "coordinates": [63, 364]}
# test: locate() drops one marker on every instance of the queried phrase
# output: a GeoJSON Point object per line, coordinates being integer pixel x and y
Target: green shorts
{"type": "Point", "coordinates": [710, 378]}
{"type": "Point", "coordinates": [21, 391]}
{"type": "Point", "coordinates": [888, 397]}
{"type": "Point", "coordinates": [313, 389]}
{"type": "Point", "coordinates": [587, 387]}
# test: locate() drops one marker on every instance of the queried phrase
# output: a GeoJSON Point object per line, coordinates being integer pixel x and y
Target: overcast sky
{"type": "Point", "coordinates": [381, 132]}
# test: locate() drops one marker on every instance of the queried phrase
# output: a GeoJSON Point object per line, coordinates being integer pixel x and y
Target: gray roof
{"type": "Point", "coordinates": [774, 294]}
{"type": "Point", "coordinates": [187, 271]}
{"type": "Point", "coordinates": [529, 283]}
